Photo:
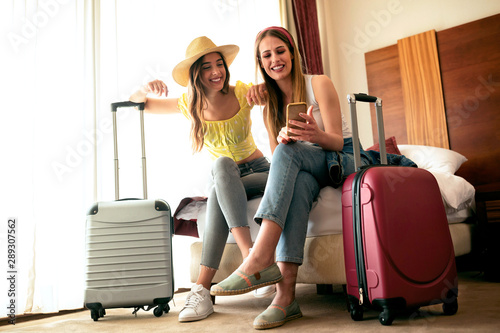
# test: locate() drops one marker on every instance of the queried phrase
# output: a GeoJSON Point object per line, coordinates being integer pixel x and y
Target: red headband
{"type": "Point", "coordinates": [280, 29]}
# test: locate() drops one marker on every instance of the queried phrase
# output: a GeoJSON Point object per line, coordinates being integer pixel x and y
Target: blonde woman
{"type": "Point", "coordinates": [220, 122]}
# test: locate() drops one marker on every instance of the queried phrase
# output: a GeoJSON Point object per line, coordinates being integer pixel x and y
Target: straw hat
{"type": "Point", "coordinates": [197, 49]}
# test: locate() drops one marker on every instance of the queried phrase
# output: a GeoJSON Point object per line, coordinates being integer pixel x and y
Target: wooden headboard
{"type": "Point", "coordinates": [469, 63]}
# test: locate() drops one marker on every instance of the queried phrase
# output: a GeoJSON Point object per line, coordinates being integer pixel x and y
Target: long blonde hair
{"type": "Point", "coordinates": [274, 114]}
{"type": "Point", "coordinates": [197, 102]}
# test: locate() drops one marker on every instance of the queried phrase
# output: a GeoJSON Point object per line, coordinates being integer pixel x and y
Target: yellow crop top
{"type": "Point", "coordinates": [230, 137]}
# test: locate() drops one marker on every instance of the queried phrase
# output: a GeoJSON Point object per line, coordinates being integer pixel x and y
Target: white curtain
{"type": "Point", "coordinates": [47, 176]}
{"type": "Point", "coordinates": [62, 63]}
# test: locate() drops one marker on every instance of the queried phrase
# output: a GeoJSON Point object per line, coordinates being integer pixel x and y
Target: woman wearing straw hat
{"type": "Point", "coordinates": [220, 122]}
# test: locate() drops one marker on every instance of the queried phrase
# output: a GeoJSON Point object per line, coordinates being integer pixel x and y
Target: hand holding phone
{"type": "Point", "coordinates": [292, 113]}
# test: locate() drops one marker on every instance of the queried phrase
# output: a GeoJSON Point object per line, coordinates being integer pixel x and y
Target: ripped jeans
{"type": "Point", "coordinates": [233, 186]}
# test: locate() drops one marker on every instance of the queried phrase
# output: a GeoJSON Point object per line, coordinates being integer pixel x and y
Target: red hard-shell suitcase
{"type": "Point", "coordinates": [397, 245]}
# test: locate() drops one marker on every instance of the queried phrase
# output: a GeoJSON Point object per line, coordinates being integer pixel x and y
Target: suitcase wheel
{"type": "Point", "coordinates": [158, 311]}
{"type": "Point", "coordinates": [450, 304]}
{"type": "Point", "coordinates": [356, 312]}
{"type": "Point", "coordinates": [450, 308]}
{"type": "Point", "coordinates": [96, 314]}
{"type": "Point", "coordinates": [386, 317]}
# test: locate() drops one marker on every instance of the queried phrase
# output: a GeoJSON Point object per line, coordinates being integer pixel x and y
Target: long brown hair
{"type": "Point", "coordinates": [274, 114]}
{"type": "Point", "coordinates": [197, 102]}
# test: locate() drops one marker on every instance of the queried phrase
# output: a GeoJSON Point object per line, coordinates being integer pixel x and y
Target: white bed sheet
{"type": "Point", "coordinates": [325, 217]}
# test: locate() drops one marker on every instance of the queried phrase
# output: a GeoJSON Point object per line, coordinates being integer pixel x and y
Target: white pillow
{"type": "Point", "coordinates": [457, 193]}
{"type": "Point", "coordinates": [433, 158]}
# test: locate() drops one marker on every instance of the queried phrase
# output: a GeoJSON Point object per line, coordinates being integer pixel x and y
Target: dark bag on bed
{"type": "Point", "coordinates": [397, 245]}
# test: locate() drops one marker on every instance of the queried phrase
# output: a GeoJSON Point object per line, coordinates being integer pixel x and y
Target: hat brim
{"type": "Point", "coordinates": [180, 73]}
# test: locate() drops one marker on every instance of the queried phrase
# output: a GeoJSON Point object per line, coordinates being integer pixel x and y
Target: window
{"type": "Point", "coordinates": [66, 61]}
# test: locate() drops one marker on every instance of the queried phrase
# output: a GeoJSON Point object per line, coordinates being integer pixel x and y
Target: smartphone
{"type": "Point", "coordinates": [292, 113]}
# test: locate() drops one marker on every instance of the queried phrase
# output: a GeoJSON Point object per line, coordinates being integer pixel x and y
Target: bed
{"type": "Point", "coordinates": [324, 256]}
{"type": "Point", "coordinates": [459, 104]}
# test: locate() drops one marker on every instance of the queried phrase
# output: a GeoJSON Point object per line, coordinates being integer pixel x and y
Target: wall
{"type": "Point", "coordinates": [350, 28]}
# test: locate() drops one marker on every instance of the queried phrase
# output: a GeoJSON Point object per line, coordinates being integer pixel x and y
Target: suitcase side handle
{"type": "Point", "coordinates": [114, 109]}
{"type": "Point", "coordinates": [352, 98]}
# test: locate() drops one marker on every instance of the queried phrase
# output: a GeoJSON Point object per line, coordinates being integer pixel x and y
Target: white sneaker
{"type": "Point", "coordinates": [198, 304]}
{"type": "Point", "coordinates": [265, 291]}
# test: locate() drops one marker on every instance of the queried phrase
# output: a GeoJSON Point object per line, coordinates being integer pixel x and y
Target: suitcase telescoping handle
{"type": "Point", "coordinates": [352, 98]}
{"type": "Point", "coordinates": [114, 109]}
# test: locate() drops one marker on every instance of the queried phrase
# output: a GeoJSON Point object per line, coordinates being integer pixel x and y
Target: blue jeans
{"type": "Point", "coordinates": [227, 202]}
{"type": "Point", "coordinates": [298, 171]}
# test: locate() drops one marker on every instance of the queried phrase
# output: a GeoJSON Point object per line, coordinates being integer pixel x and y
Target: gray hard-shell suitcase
{"type": "Point", "coordinates": [129, 247]}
